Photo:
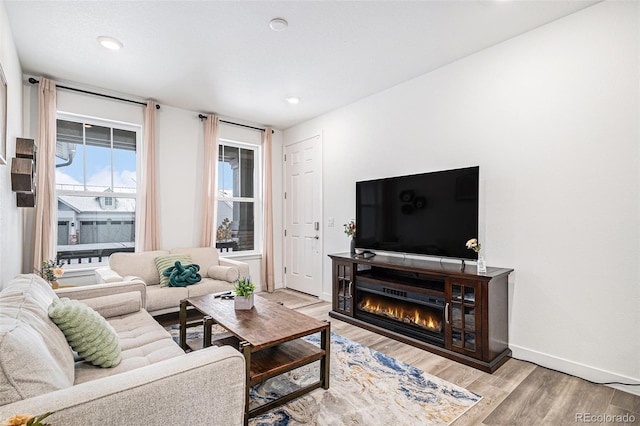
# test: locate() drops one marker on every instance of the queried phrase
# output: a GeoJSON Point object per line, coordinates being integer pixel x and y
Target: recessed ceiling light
{"type": "Point", "coordinates": [278, 24]}
{"type": "Point", "coordinates": [293, 100]}
{"type": "Point", "coordinates": [110, 43]}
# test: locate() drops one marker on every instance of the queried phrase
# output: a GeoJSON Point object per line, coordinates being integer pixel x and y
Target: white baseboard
{"type": "Point", "coordinates": [583, 371]}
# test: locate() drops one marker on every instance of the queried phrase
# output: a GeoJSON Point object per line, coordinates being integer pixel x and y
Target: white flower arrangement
{"type": "Point", "coordinates": [474, 245]}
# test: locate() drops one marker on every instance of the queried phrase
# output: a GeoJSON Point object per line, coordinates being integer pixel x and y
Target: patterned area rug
{"type": "Point", "coordinates": [366, 388]}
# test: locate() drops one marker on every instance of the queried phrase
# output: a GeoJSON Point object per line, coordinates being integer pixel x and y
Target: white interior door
{"type": "Point", "coordinates": [303, 216]}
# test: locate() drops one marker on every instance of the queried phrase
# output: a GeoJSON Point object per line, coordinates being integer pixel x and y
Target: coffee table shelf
{"type": "Point", "coordinates": [275, 360]}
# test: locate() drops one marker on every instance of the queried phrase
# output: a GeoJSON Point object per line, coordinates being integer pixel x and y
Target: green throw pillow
{"type": "Point", "coordinates": [164, 262]}
{"type": "Point", "coordinates": [87, 332]}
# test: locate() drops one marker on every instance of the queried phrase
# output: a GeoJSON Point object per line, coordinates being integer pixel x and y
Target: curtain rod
{"type": "Point", "coordinates": [204, 117]}
{"type": "Point", "coordinates": [34, 81]}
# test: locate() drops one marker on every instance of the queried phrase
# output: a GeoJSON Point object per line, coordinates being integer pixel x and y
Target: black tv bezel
{"type": "Point", "coordinates": [472, 254]}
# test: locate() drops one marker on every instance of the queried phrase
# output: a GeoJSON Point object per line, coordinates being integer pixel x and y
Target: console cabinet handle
{"type": "Point", "coordinates": [446, 313]}
{"type": "Point", "coordinates": [350, 282]}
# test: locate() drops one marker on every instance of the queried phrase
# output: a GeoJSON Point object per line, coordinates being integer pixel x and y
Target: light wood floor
{"type": "Point", "coordinates": [519, 393]}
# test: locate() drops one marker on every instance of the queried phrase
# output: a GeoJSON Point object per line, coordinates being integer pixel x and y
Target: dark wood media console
{"type": "Point", "coordinates": [432, 305]}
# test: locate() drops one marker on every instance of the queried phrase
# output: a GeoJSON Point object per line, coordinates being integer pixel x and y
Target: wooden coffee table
{"type": "Point", "coordinates": [270, 339]}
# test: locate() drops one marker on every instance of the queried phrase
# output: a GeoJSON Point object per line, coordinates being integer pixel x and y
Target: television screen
{"type": "Point", "coordinates": [431, 213]}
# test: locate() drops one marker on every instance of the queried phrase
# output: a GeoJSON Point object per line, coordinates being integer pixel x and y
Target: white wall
{"type": "Point", "coordinates": [11, 238]}
{"type": "Point", "coordinates": [552, 119]}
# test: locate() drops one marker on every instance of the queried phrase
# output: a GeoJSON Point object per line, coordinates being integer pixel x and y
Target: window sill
{"type": "Point", "coordinates": [82, 268]}
{"type": "Point", "coordinates": [242, 256]}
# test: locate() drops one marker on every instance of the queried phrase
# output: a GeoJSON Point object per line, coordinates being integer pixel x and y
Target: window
{"type": "Point", "coordinates": [96, 188]}
{"type": "Point", "coordinates": [238, 213]}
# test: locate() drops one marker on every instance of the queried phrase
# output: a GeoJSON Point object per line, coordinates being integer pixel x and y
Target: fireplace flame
{"type": "Point", "coordinates": [407, 314]}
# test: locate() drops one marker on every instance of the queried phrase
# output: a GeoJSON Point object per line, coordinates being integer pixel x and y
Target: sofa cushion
{"type": "Point", "coordinates": [203, 256]}
{"type": "Point", "coordinates": [224, 273]}
{"type": "Point", "coordinates": [140, 264]}
{"type": "Point", "coordinates": [143, 342]}
{"type": "Point", "coordinates": [207, 286]}
{"type": "Point", "coordinates": [116, 304]}
{"type": "Point", "coordinates": [159, 298]}
{"type": "Point", "coordinates": [167, 261]}
{"type": "Point", "coordinates": [34, 355]}
{"type": "Point", "coordinates": [87, 332]}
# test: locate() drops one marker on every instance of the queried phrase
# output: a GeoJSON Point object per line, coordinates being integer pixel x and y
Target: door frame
{"type": "Point", "coordinates": [324, 295]}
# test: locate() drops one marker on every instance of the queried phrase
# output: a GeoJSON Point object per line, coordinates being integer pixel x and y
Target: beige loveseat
{"type": "Point", "coordinates": [156, 383]}
{"type": "Point", "coordinates": [218, 275]}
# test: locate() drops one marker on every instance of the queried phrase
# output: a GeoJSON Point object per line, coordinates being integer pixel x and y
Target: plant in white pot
{"type": "Point", "coordinates": [244, 289]}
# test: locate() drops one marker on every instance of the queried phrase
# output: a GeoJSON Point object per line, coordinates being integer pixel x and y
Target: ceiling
{"type": "Point", "coordinates": [221, 56]}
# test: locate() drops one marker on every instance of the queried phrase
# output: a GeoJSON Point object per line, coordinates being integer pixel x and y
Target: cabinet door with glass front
{"type": "Point", "coordinates": [343, 276]}
{"type": "Point", "coordinates": [463, 317]}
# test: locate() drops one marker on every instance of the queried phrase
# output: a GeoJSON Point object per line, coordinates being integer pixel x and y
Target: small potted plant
{"type": "Point", "coordinates": [244, 289]}
{"type": "Point", "coordinates": [51, 271]}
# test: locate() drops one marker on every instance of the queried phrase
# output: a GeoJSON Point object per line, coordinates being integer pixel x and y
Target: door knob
{"type": "Point", "coordinates": [317, 237]}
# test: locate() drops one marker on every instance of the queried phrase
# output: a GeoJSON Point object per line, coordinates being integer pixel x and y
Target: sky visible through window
{"type": "Point", "coordinates": [225, 178]}
{"type": "Point", "coordinates": [98, 169]}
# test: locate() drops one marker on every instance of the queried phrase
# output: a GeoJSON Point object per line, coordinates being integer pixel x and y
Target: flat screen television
{"type": "Point", "coordinates": [431, 214]}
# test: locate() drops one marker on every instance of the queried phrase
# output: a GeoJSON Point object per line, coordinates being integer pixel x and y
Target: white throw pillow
{"type": "Point", "coordinates": [223, 273]}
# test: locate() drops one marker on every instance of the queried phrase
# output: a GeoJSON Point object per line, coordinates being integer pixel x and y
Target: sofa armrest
{"type": "Point", "coordinates": [107, 275]}
{"type": "Point", "coordinates": [243, 268]}
{"type": "Point", "coordinates": [116, 305]}
{"type": "Point", "coordinates": [106, 289]}
{"type": "Point", "coordinates": [207, 386]}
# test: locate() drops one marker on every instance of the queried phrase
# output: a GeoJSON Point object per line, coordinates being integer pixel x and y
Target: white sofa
{"type": "Point", "coordinates": [218, 275]}
{"type": "Point", "coordinates": [156, 383]}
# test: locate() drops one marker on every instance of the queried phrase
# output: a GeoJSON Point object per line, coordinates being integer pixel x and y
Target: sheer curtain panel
{"type": "Point", "coordinates": [267, 249]}
{"type": "Point", "coordinates": [45, 221]}
{"type": "Point", "coordinates": [148, 228]}
{"type": "Point", "coordinates": [209, 184]}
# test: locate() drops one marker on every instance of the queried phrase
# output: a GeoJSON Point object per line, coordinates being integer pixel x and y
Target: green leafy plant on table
{"type": "Point", "coordinates": [244, 287]}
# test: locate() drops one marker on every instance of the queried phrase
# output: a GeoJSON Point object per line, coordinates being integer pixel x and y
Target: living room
{"type": "Point", "coordinates": [550, 116]}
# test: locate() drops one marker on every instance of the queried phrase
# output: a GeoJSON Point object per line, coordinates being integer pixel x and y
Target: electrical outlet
{"type": "Point", "coordinates": [331, 222]}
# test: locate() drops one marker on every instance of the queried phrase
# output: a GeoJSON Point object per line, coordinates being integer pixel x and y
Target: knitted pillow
{"type": "Point", "coordinates": [87, 332]}
{"type": "Point", "coordinates": [182, 275]}
{"type": "Point", "coordinates": [164, 262]}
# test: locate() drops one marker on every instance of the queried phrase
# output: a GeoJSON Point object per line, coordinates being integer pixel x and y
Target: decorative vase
{"type": "Point", "coordinates": [482, 264]}
{"type": "Point", "coordinates": [243, 303]}
{"type": "Point", "coordinates": [353, 245]}
{"type": "Point", "coordinates": [54, 284]}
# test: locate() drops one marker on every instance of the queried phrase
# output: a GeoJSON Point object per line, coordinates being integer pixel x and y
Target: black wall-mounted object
{"type": "Point", "coordinates": [432, 213]}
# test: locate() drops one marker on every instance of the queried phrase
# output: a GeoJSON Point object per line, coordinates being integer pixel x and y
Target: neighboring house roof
{"type": "Point", "coordinates": [92, 204]}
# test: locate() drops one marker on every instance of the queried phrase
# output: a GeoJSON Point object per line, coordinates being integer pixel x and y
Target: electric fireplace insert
{"type": "Point", "coordinates": [406, 311]}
